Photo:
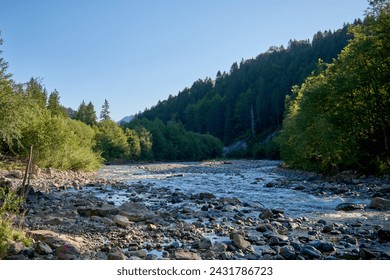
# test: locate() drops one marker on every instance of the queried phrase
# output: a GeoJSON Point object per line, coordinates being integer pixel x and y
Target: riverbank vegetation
{"type": "Point", "coordinates": [339, 118]}
{"type": "Point", "coordinates": [336, 118]}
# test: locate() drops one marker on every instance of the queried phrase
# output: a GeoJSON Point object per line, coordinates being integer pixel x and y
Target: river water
{"type": "Point", "coordinates": [245, 180]}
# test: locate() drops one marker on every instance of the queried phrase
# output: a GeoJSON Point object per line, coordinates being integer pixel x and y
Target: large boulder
{"type": "Point", "coordinates": [380, 203]}
{"type": "Point", "coordinates": [55, 240]}
{"type": "Point", "coordinates": [135, 212]}
{"type": "Point", "coordinates": [103, 211]}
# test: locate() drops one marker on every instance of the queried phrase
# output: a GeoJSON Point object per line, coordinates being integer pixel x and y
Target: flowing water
{"type": "Point", "coordinates": [245, 180]}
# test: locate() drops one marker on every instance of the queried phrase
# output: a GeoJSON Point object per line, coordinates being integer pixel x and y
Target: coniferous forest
{"type": "Point", "coordinates": [319, 104]}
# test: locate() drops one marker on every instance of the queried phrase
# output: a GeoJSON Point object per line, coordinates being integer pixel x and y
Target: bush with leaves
{"type": "Point", "coordinates": [9, 203]}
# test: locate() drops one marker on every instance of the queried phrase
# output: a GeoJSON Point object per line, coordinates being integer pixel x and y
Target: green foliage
{"type": "Point", "coordinates": [340, 117]}
{"type": "Point", "coordinates": [54, 106]}
{"type": "Point", "coordinates": [9, 203]}
{"type": "Point", "coordinates": [62, 143]}
{"type": "Point", "coordinates": [105, 112]}
{"type": "Point", "coordinates": [253, 91]}
{"type": "Point", "coordinates": [173, 142]}
{"type": "Point", "coordinates": [112, 141]}
{"type": "Point", "coordinates": [86, 114]}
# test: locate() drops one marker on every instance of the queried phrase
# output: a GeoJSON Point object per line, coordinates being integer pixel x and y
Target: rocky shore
{"type": "Point", "coordinates": [68, 218]}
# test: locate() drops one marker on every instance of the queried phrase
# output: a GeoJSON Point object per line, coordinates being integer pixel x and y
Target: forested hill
{"type": "Point", "coordinates": [249, 100]}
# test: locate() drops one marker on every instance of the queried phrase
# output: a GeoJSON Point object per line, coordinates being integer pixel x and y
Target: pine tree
{"type": "Point", "coordinates": [105, 112]}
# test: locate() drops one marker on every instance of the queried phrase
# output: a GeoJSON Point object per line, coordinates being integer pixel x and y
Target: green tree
{"type": "Point", "coordinates": [112, 141]}
{"type": "Point", "coordinates": [134, 143]}
{"type": "Point", "coordinates": [37, 92]}
{"type": "Point", "coordinates": [340, 118]}
{"type": "Point", "coordinates": [54, 106]}
{"type": "Point", "coordinates": [105, 112]}
{"type": "Point", "coordinates": [86, 114]}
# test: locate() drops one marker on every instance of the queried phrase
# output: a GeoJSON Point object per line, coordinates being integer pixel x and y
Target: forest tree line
{"type": "Point", "coordinates": [328, 99]}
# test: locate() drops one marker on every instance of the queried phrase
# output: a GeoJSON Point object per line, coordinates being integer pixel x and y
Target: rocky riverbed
{"type": "Point", "coordinates": [210, 210]}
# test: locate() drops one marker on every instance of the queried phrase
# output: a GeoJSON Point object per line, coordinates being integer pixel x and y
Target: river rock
{"type": "Point", "coordinates": [380, 203]}
{"type": "Point", "coordinates": [116, 254]}
{"type": "Point", "coordinates": [103, 211]}
{"type": "Point", "coordinates": [350, 239]}
{"type": "Point", "coordinates": [219, 248]}
{"type": "Point", "coordinates": [15, 248]}
{"type": "Point", "coordinates": [349, 207]}
{"type": "Point", "coordinates": [288, 252]}
{"type": "Point", "coordinates": [309, 252]}
{"type": "Point", "coordinates": [384, 234]}
{"type": "Point", "coordinates": [265, 227]}
{"type": "Point", "coordinates": [185, 255]}
{"type": "Point", "coordinates": [328, 228]}
{"type": "Point", "coordinates": [206, 195]}
{"type": "Point", "coordinates": [205, 243]}
{"type": "Point", "coordinates": [54, 240]}
{"type": "Point", "coordinates": [35, 170]}
{"type": "Point", "coordinates": [323, 246]}
{"type": "Point", "coordinates": [239, 241]}
{"type": "Point", "coordinates": [135, 212]}
{"type": "Point", "coordinates": [43, 249]}
{"type": "Point", "coordinates": [266, 214]}
{"type": "Point", "coordinates": [121, 220]}
{"type": "Point", "coordinates": [17, 174]}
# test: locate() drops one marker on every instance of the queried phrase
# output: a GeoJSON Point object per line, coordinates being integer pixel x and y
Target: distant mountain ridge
{"type": "Point", "coordinates": [125, 120]}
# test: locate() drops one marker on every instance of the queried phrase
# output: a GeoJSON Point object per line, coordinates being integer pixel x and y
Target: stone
{"type": "Point", "coordinates": [273, 241]}
{"type": "Point", "coordinates": [141, 253]}
{"type": "Point", "coordinates": [206, 195]}
{"type": "Point", "coordinates": [380, 203]}
{"type": "Point", "coordinates": [54, 240]}
{"type": "Point", "coordinates": [121, 220]}
{"type": "Point", "coordinates": [219, 248]}
{"type": "Point", "coordinates": [103, 211]}
{"type": "Point", "coordinates": [15, 248]}
{"type": "Point", "coordinates": [239, 241]}
{"type": "Point", "coordinates": [270, 185]}
{"type": "Point", "coordinates": [35, 170]}
{"type": "Point", "coordinates": [328, 228]}
{"type": "Point", "coordinates": [309, 252]}
{"type": "Point", "coordinates": [288, 252]}
{"type": "Point", "coordinates": [266, 214]}
{"type": "Point", "coordinates": [265, 227]}
{"type": "Point", "coordinates": [151, 227]}
{"type": "Point", "coordinates": [43, 249]}
{"type": "Point", "coordinates": [349, 239]}
{"type": "Point", "coordinates": [135, 212]}
{"type": "Point", "coordinates": [205, 244]}
{"type": "Point", "coordinates": [323, 246]}
{"type": "Point", "coordinates": [350, 207]}
{"type": "Point", "coordinates": [384, 234]}
{"type": "Point", "coordinates": [66, 252]}
{"type": "Point", "coordinates": [366, 254]}
{"type": "Point", "coordinates": [17, 174]}
{"type": "Point", "coordinates": [185, 255]}
{"type": "Point", "coordinates": [116, 254]}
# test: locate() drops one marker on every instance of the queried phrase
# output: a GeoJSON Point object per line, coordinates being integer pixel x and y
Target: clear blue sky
{"type": "Point", "coordinates": [134, 53]}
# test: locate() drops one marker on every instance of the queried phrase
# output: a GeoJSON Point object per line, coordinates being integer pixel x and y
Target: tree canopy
{"type": "Point", "coordinates": [340, 117]}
